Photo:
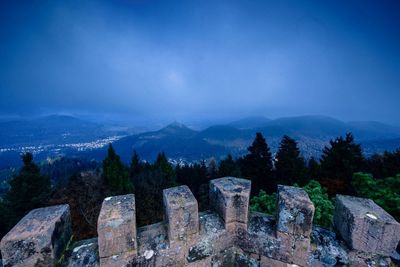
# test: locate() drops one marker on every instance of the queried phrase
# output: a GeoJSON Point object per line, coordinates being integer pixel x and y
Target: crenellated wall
{"type": "Point", "coordinates": [227, 235]}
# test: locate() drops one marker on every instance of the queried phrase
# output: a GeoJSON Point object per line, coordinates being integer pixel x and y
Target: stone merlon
{"type": "Point", "coordinates": [181, 212]}
{"type": "Point", "coordinates": [230, 198]}
{"type": "Point", "coordinates": [116, 228]}
{"type": "Point", "coordinates": [295, 211]}
{"type": "Point", "coordinates": [38, 239]}
{"type": "Point", "coordinates": [365, 226]}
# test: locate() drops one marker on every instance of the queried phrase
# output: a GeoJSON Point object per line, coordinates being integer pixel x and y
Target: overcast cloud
{"type": "Point", "coordinates": [201, 59]}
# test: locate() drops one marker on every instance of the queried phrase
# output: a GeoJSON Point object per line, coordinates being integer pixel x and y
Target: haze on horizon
{"type": "Point", "coordinates": [192, 60]}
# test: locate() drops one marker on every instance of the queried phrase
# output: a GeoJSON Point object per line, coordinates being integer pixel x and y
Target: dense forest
{"type": "Point", "coordinates": [342, 169]}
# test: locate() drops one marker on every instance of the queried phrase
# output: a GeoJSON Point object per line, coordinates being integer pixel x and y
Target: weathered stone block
{"type": "Point", "coordinates": [83, 253]}
{"type": "Point", "coordinates": [230, 197]}
{"type": "Point", "coordinates": [294, 248]}
{"type": "Point", "coordinates": [116, 227]}
{"type": "Point", "coordinates": [295, 211]}
{"type": "Point", "coordinates": [365, 226]}
{"type": "Point", "coordinates": [181, 212]}
{"type": "Point", "coordinates": [268, 262]}
{"type": "Point", "coordinates": [39, 239]}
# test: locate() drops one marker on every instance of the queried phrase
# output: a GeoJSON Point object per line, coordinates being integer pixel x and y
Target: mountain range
{"type": "Point", "coordinates": [65, 135]}
{"type": "Point", "coordinates": [311, 132]}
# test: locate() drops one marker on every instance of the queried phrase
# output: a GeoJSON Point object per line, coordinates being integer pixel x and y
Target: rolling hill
{"type": "Point", "coordinates": [312, 133]}
{"type": "Point", "coordinates": [64, 135]}
{"type": "Point", "coordinates": [52, 129]}
{"type": "Point", "coordinates": [51, 136]}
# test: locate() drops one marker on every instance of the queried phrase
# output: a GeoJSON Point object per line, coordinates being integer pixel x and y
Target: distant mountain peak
{"type": "Point", "coordinates": [176, 124]}
{"type": "Point", "coordinates": [177, 128]}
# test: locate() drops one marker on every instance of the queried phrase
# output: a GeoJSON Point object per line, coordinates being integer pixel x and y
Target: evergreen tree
{"type": "Point", "coordinates": [339, 162]}
{"type": "Point", "coordinates": [313, 169]}
{"type": "Point", "coordinates": [383, 165]}
{"type": "Point", "coordinates": [212, 170]}
{"type": "Point", "coordinates": [149, 198]}
{"type": "Point", "coordinates": [28, 190]}
{"type": "Point", "coordinates": [375, 165]}
{"type": "Point", "coordinates": [229, 167]}
{"type": "Point", "coordinates": [289, 164]}
{"type": "Point", "coordinates": [166, 170]}
{"type": "Point", "coordinates": [149, 185]}
{"type": "Point", "coordinates": [192, 175]}
{"type": "Point", "coordinates": [257, 165]}
{"type": "Point", "coordinates": [196, 178]}
{"type": "Point", "coordinates": [136, 166]}
{"type": "Point", "coordinates": [391, 163]}
{"type": "Point", "coordinates": [116, 174]}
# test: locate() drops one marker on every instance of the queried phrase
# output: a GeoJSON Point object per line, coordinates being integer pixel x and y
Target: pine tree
{"type": "Point", "coordinates": [229, 167]}
{"type": "Point", "coordinates": [116, 174]}
{"type": "Point", "coordinates": [212, 170]}
{"type": "Point", "coordinates": [289, 164]}
{"type": "Point", "coordinates": [149, 187]}
{"type": "Point", "coordinates": [135, 166]}
{"type": "Point", "coordinates": [391, 163]}
{"type": "Point", "coordinates": [257, 165]}
{"type": "Point", "coordinates": [166, 170]}
{"type": "Point", "coordinates": [339, 162]}
{"type": "Point", "coordinates": [313, 169]}
{"type": "Point", "coordinates": [375, 166]}
{"type": "Point", "coordinates": [28, 190]}
{"type": "Point", "coordinates": [150, 183]}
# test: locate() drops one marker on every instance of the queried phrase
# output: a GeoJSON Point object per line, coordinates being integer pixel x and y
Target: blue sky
{"type": "Point", "coordinates": [194, 60]}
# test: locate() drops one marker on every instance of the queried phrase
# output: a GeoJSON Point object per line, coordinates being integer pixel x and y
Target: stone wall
{"type": "Point", "coordinates": [227, 235]}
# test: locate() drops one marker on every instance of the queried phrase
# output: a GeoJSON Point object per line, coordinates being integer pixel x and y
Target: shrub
{"type": "Point", "coordinates": [323, 205]}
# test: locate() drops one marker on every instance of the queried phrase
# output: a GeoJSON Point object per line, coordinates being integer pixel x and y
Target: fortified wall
{"type": "Point", "coordinates": [227, 235]}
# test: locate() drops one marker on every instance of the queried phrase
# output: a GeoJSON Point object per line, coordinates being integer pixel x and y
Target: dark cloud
{"type": "Point", "coordinates": [194, 59]}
